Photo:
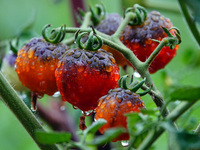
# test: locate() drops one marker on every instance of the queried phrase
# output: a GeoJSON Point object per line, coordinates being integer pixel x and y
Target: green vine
{"type": "Point", "coordinates": [18, 107]}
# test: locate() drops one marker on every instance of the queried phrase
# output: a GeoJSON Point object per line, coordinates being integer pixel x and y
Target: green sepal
{"type": "Point", "coordinates": [93, 43]}
{"type": "Point", "coordinates": [136, 87]}
{"type": "Point", "coordinates": [55, 36]}
{"type": "Point", "coordinates": [13, 48]}
{"type": "Point", "coordinates": [100, 15]}
{"type": "Point", "coordinates": [80, 15]}
{"type": "Point", "coordinates": [145, 92]}
{"type": "Point", "coordinates": [141, 14]}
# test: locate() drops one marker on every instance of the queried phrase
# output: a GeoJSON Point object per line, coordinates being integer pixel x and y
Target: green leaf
{"type": "Point", "coordinates": [153, 112]}
{"type": "Point", "coordinates": [95, 126]}
{"type": "Point", "coordinates": [185, 93]}
{"type": "Point", "coordinates": [132, 119]}
{"type": "Point", "coordinates": [194, 6]}
{"type": "Point", "coordinates": [108, 136]}
{"type": "Point", "coordinates": [180, 140]}
{"type": "Point", "coordinates": [52, 137]}
{"type": "Point", "coordinates": [139, 125]}
{"type": "Point", "coordinates": [183, 140]}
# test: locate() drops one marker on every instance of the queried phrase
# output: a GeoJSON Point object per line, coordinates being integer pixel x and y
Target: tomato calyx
{"type": "Point", "coordinates": [93, 43]}
{"type": "Point", "coordinates": [141, 14]}
{"type": "Point", "coordinates": [56, 35]}
{"type": "Point", "coordinates": [133, 86]}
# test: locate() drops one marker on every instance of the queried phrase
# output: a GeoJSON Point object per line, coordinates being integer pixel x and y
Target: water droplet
{"type": "Point", "coordinates": [59, 64]}
{"type": "Point", "coordinates": [112, 104]}
{"type": "Point", "coordinates": [80, 68]}
{"type": "Point", "coordinates": [41, 68]}
{"type": "Point", "coordinates": [33, 109]}
{"type": "Point", "coordinates": [103, 105]}
{"type": "Point", "coordinates": [62, 108]}
{"type": "Point", "coordinates": [52, 67]}
{"type": "Point", "coordinates": [100, 101]}
{"type": "Point", "coordinates": [87, 113]}
{"type": "Point", "coordinates": [137, 75]}
{"type": "Point", "coordinates": [117, 76]}
{"type": "Point", "coordinates": [129, 104]}
{"type": "Point", "coordinates": [75, 107]}
{"type": "Point", "coordinates": [56, 94]}
{"type": "Point", "coordinates": [30, 53]}
{"type": "Point", "coordinates": [108, 68]}
{"type": "Point", "coordinates": [125, 143]}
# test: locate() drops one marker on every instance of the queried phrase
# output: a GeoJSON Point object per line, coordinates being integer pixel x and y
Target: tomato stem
{"type": "Point", "coordinates": [155, 53]}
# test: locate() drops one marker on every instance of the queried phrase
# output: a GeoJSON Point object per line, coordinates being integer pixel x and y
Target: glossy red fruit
{"type": "Point", "coordinates": [109, 26]}
{"type": "Point", "coordinates": [113, 107]}
{"type": "Point", "coordinates": [139, 40]}
{"type": "Point", "coordinates": [84, 76]}
{"type": "Point", "coordinates": [36, 63]}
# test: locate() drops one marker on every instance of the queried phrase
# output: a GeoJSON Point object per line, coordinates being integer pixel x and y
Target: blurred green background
{"type": "Point", "coordinates": [184, 69]}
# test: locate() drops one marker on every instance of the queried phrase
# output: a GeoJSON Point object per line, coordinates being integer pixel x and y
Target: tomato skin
{"type": "Point", "coordinates": [139, 40]}
{"type": "Point", "coordinates": [113, 107]}
{"type": "Point", "coordinates": [109, 26]}
{"type": "Point", "coordinates": [84, 76]}
{"type": "Point", "coordinates": [36, 63]}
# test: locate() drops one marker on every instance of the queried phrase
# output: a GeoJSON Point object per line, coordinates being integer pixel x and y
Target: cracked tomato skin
{"type": "Point", "coordinates": [36, 63]}
{"type": "Point", "coordinates": [84, 76]}
{"type": "Point", "coordinates": [139, 40]}
{"type": "Point", "coordinates": [109, 26]}
{"type": "Point", "coordinates": [114, 105]}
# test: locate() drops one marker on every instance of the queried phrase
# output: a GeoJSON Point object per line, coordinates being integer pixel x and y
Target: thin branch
{"type": "Point", "coordinates": [21, 111]}
{"type": "Point", "coordinates": [156, 52]}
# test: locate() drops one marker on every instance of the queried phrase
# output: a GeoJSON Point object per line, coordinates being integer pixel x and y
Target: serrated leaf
{"type": "Point", "coordinates": [185, 93]}
{"type": "Point", "coordinates": [52, 137]}
{"type": "Point", "coordinates": [108, 136]}
{"type": "Point", "coordinates": [95, 126]}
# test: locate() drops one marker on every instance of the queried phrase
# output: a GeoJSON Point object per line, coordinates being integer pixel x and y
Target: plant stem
{"type": "Point", "coordinates": [190, 21]}
{"type": "Point", "coordinates": [85, 24]}
{"type": "Point", "coordinates": [173, 116]}
{"type": "Point", "coordinates": [129, 16]}
{"type": "Point", "coordinates": [21, 111]}
{"type": "Point", "coordinates": [156, 52]}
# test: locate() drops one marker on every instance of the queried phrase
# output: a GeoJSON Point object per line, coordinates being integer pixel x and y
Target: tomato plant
{"type": "Point", "coordinates": [66, 64]}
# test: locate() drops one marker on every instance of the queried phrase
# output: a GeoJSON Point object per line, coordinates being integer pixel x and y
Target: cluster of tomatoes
{"type": "Point", "coordinates": [85, 78]}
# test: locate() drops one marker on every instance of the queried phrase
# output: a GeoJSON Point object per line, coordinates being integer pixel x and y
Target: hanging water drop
{"type": "Point", "coordinates": [87, 113]}
{"type": "Point", "coordinates": [56, 94]}
{"type": "Point", "coordinates": [125, 143]}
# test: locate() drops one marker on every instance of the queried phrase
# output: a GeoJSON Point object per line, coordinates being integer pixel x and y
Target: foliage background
{"type": "Point", "coordinates": [184, 69]}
